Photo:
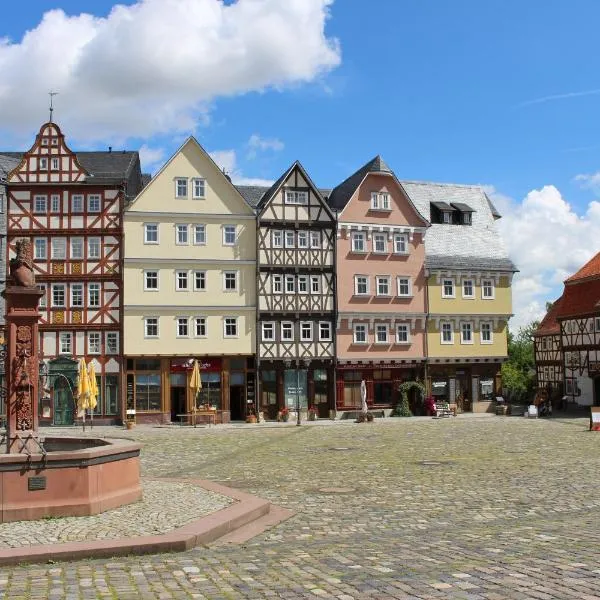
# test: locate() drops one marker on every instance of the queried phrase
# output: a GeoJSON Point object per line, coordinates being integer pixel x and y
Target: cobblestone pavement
{"type": "Point", "coordinates": [151, 516]}
{"type": "Point", "coordinates": [491, 508]}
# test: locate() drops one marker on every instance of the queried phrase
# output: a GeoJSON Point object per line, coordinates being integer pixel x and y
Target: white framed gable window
{"type": "Point", "coordinates": [361, 285]}
{"type": "Point", "coordinates": [276, 238]}
{"type": "Point", "coordinates": [400, 243]}
{"type": "Point", "coordinates": [229, 235]}
{"type": "Point", "coordinates": [230, 327]}
{"type": "Point", "coordinates": [43, 162]}
{"type": "Point", "coordinates": [151, 327]}
{"type": "Point", "coordinates": [306, 331]}
{"type": "Point", "coordinates": [448, 288]}
{"type": "Point", "coordinates": [486, 333]}
{"type": "Point", "coordinates": [290, 239]}
{"type": "Point", "coordinates": [198, 188]}
{"type": "Point", "coordinates": [40, 204]}
{"type": "Point", "coordinates": [183, 327]}
{"type": "Point", "coordinates": [360, 334]}
{"type": "Point", "coordinates": [381, 334]}
{"type": "Point", "coordinates": [181, 234]}
{"type": "Point", "coordinates": [296, 197]}
{"type": "Point", "coordinates": [403, 333]}
{"type": "Point", "coordinates": [404, 287]}
{"type": "Point", "coordinates": [359, 241]}
{"type": "Point", "coordinates": [199, 235]}
{"type": "Point", "coordinates": [324, 331]}
{"type": "Point", "coordinates": [287, 331]}
{"type": "Point", "coordinates": [380, 243]}
{"type": "Point", "coordinates": [383, 285]}
{"type": "Point", "coordinates": [468, 289]}
{"type": "Point", "coordinates": [466, 333]}
{"type": "Point", "coordinates": [150, 233]}
{"type": "Point", "coordinates": [446, 333]}
{"type": "Point", "coordinates": [380, 201]}
{"type": "Point", "coordinates": [55, 164]}
{"type": "Point", "coordinates": [181, 187]}
{"type": "Point", "coordinates": [487, 289]}
{"type": "Point", "coordinates": [268, 332]}
{"type": "Point", "coordinates": [150, 281]}
{"type": "Point", "coordinates": [94, 202]}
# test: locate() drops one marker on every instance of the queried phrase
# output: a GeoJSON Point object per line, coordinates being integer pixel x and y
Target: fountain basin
{"type": "Point", "coordinates": [77, 477]}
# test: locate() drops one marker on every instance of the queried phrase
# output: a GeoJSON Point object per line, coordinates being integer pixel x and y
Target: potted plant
{"type": "Point", "coordinates": [251, 416]}
{"type": "Point", "coordinates": [284, 414]}
{"type": "Point", "coordinates": [312, 413]}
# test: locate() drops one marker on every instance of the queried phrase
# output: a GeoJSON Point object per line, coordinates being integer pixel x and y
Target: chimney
{"type": "Point", "coordinates": [110, 148]}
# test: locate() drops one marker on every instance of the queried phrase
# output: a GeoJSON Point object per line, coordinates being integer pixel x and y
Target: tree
{"type": "Point", "coordinates": [518, 372]}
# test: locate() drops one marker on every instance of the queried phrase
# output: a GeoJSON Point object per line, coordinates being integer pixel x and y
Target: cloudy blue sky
{"type": "Point", "coordinates": [503, 93]}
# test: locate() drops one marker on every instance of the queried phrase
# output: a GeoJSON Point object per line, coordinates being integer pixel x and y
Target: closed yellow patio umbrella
{"type": "Point", "coordinates": [93, 385]}
{"type": "Point", "coordinates": [195, 386]}
{"type": "Point", "coordinates": [83, 389]}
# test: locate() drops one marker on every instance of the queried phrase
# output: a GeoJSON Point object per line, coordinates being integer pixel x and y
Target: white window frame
{"type": "Point", "coordinates": [62, 254]}
{"type": "Point", "coordinates": [401, 237]}
{"type": "Point", "coordinates": [43, 299]}
{"type": "Point", "coordinates": [284, 327]}
{"type": "Point", "coordinates": [268, 325]}
{"type": "Point", "coordinates": [382, 327]}
{"type": "Point", "coordinates": [203, 322]}
{"type": "Point", "coordinates": [303, 241]}
{"type": "Point", "coordinates": [598, 324]}
{"type": "Point", "coordinates": [354, 237]}
{"type": "Point", "coordinates": [65, 336]}
{"type": "Point", "coordinates": [178, 287]}
{"type": "Point", "coordinates": [94, 287]}
{"type": "Point", "coordinates": [146, 325]}
{"type": "Point", "coordinates": [378, 280]}
{"type": "Point", "coordinates": [380, 201]}
{"type": "Point", "coordinates": [303, 281]}
{"type": "Point", "coordinates": [367, 282]}
{"type": "Point", "coordinates": [55, 203]}
{"type": "Point", "coordinates": [444, 294]}
{"type": "Point", "coordinates": [298, 197]}
{"type": "Point", "coordinates": [42, 207]}
{"type": "Point", "coordinates": [408, 280]}
{"type": "Point", "coordinates": [94, 349]}
{"type": "Point", "coordinates": [451, 340]}
{"type": "Point", "coordinates": [198, 288]}
{"type": "Point", "coordinates": [197, 183]}
{"type": "Point", "coordinates": [44, 245]}
{"type": "Point", "coordinates": [316, 240]}
{"type": "Point", "coordinates": [91, 242]}
{"type": "Point", "coordinates": [184, 229]}
{"type": "Point", "coordinates": [77, 203]}
{"type": "Point", "coordinates": [491, 332]}
{"type": "Point", "coordinates": [381, 237]}
{"type": "Point", "coordinates": [329, 336]}
{"type": "Point", "coordinates": [405, 327]}
{"type": "Point", "coordinates": [43, 162]}
{"type": "Point", "coordinates": [146, 230]}
{"type": "Point", "coordinates": [492, 287]}
{"type": "Point", "coordinates": [55, 164]}
{"type": "Point", "coordinates": [147, 273]}
{"type": "Point", "coordinates": [79, 288]}
{"type": "Point", "coordinates": [463, 340]}
{"type": "Point", "coordinates": [315, 279]}
{"type": "Point", "coordinates": [77, 240]}
{"type": "Point", "coordinates": [108, 344]}
{"type": "Point", "coordinates": [185, 182]}
{"type": "Point", "coordinates": [470, 296]}
{"type": "Point", "coordinates": [363, 327]}
{"type": "Point", "coordinates": [309, 328]}
{"type": "Point", "coordinates": [289, 236]}
{"type": "Point", "coordinates": [277, 281]}
{"type": "Point", "coordinates": [56, 286]}
{"type": "Point", "coordinates": [226, 231]}
{"type": "Point", "coordinates": [277, 238]}
{"type": "Point", "coordinates": [235, 324]}
{"type": "Point", "coordinates": [199, 228]}
{"type": "Point", "coordinates": [226, 276]}
{"type": "Point", "coordinates": [94, 198]}
{"type": "Point", "coordinates": [179, 321]}
{"type": "Point", "coordinates": [290, 279]}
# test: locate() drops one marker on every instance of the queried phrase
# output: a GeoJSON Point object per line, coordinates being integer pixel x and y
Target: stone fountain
{"type": "Point", "coordinates": [50, 476]}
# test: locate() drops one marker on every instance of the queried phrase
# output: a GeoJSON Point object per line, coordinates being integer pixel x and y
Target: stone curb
{"type": "Point", "coordinates": [209, 528]}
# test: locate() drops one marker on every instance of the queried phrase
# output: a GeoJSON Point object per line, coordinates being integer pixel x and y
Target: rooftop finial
{"type": "Point", "coordinates": [51, 94]}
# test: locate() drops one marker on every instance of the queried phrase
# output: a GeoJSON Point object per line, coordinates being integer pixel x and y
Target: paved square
{"type": "Point", "coordinates": [469, 508]}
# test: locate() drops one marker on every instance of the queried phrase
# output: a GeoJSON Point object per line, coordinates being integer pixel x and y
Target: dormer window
{"type": "Point", "coordinates": [380, 201]}
{"type": "Point", "coordinates": [442, 212]}
{"type": "Point", "coordinates": [446, 217]}
{"type": "Point", "coordinates": [464, 213]}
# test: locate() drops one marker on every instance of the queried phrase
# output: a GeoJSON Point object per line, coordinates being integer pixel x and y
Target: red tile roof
{"type": "Point", "coordinates": [590, 269]}
{"type": "Point", "coordinates": [549, 325]}
{"type": "Point", "coordinates": [580, 298]}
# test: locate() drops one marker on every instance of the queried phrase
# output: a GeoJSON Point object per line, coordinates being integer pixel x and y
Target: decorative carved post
{"type": "Point", "coordinates": [22, 366]}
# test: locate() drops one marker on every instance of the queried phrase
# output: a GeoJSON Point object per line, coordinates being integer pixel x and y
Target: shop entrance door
{"type": "Point", "coordinates": [295, 388]}
{"type": "Point", "coordinates": [236, 402]}
{"type": "Point", "coordinates": [63, 403]}
{"type": "Point", "coordinates": [464, 397]}
{"type": "Point", "coordinates": [177, 403]}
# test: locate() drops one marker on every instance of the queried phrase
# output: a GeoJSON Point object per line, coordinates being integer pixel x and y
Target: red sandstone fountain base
{"type": "Point", "coordinates": [77, 477]}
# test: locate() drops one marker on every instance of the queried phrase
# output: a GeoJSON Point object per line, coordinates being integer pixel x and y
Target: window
{"type": "Point", "coordinates": [77, 295]}
{"type": "Point", "coordinates": [55, 164]}
{"type": "Point", "coordinates": [151, 233]}
{"type": "Point", "coordinates": [200, 327]}
{"type": "Point", "coordinates": [93, 295]}
{"type": "Point", "coordinates": [55, 203]}
{"type": "Point", "coordinates": [306, 331]}
{"type": "Point", "coordinates": [315, 239]}
{"type": "Point", "coordinates": [303, 239]}
{"type": "Point", "coordinates": [277, 239]}
{"type": "Point", "coordinates": [112, 342]}
{"type": "Point", "coordinates": [230, 281]}
{"type": "Point", "coordinates": [231, 327]}
{"type": "Point", "coordinates": [183, 327]}
{"type": "Point", "coordinates": [94, 248]}
{"type": "Point", "coordinates": [199, 281]}
{"type": "Point", "coordinates": [181, 234]}
{"type": "Point", "coordinates": [325, 331]}
{"type": "Point", "coordinates": [43, 162]}
{"type": "Point", "coordinates": [404, 287]}
{"type": "Point", "coordinates": [403, 334]}
{"type": "Point", "coordinates": [381, 334]}
{"type": "Point", "coordinates": [77, 203]}
{"type": "Point", "coordinates": [383, 285]}
{"type": "Point", "coordinates": [446, 217]}
{"type": "Point", "coordinates": [303, 284]}
{"type": "Point", "coordinates": [315, 284]}
{"type": "Point", "coordinates": [485, 333]}
{"type": "Point", "coordinates": [277, 284]}
{"type": "Point", "coordinates": [401, 243]}
{"type": "Point", "coordinates": [466, 333]}
{"type": "Point", "coordinates": [379, 243]}
{"type": "Point", "coordinates": [359, 242]}
{"type": "Point", "coordinates": [466, 218]}
{"type": "Point", "coordinates": [94, 203]}
{"type": "Point", "coordinates": [468, 289]}
{"type": "Point", "coordinates": [287, 332]}
{"type": "Point", "coordinates": [181, 187]}
{"type": "Point", "coordinates": [54, 142]}
{"type": "Point", "coordinates": [447, 288]}
{"type": "Point", "coordinates": [150, 281]}
{"type": "Point", "coordinates": [361, 285]}
{"type": "Point", "coordinates": [199, 235]}
{"type": "Point", "coordinates": [380, 201]}
{"type": "Point", "coordinates": [290, 241]}
{"type": "Point", "coordinates": [42, 288]}
{"type": "Point", "coordinates": [181, 280]}
{"type": "Point", "coordinates": [40, 204]}
{"type": "Point", "coordinates": [151, 327]}
{"type": "Point", "coordinates": [268, 332]}
{"type": "Point", "coordinates": [40, 248]}
{"type": "Point", "coordinates": [198, 188]}
{"type": "Point", "coordinates": [447, 333]}
{"type": "Point", "coordinates": [94, 342]}
{"type": "Point", "coordinates": [64, 343]}
{"type": "Point", "coordinates": [597, 323]}
{"type": "Point", "coordinates": [229, 235]}
{"type": "Point", "coordinates": [360, 334]}
{"type": "Point", "coordinates": [59, 248]}
{"type": "Point", "coordinates": [296, 197]}
{"type": "Point", "coordinates": [111, 394]}
{"type": "Point", "coordinates": [77, 248]}
{"type": "Point", "coordinates": [487, 289]}
{"type": "Point", "coordinates": [290, 286]}
{"type": "Point", "coordinates": [44, 141]}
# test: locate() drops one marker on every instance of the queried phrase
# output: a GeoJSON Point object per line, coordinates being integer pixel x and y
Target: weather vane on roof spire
{"type": "Point", "coordinates": [51, 94]}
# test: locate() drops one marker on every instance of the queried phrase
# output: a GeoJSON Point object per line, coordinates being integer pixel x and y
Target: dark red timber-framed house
{"type": "Point", "coordinates": [70, 206]}
{"type": "Point", "coordinates": [547, 351]}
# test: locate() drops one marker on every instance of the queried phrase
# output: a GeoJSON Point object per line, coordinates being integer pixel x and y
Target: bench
{"type": "Point", "coordinates": [211, 417]}
{"type": "Point", "coordinates": [442, 409]}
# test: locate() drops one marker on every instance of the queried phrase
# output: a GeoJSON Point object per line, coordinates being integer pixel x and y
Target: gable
{"type": "Point", "coordinates": [49, 160]}
{"type": "Point", "coordinates": [192, 164]}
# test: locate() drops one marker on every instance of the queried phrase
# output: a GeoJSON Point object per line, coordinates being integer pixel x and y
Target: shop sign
{"type": "Point", "coordinates": [439, 384]}
{"type": "Point", "coordinates": [187, 364]}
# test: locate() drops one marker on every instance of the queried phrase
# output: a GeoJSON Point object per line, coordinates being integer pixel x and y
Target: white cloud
{"type": "Point", "coordinates": [548, 241]}
{"type": "Point", "coordinates": [227, 159]}
{"type": "Point", "coordinates": [151, 158]}
{"type": "Point", "coordinates": [256, 144]}
{"type": "Point", "coordinates": [589, 181]}
{"type": "Point", "coordinates": [156, 66]}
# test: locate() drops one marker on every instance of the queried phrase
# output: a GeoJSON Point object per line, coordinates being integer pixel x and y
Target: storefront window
{"type": "Point", "coordinates": [439, 389]}
{"type": "Point", "coordinates": [147, 392]}
{"type": "Point", "coordinates": [352, 381]}
{"type": "Point", "coordinates": [268, 388]}
{"type": "Point", "coordinates": [295, 388]}
{"type": "Point", "coordinates": [320, 379]}
{"type": "Point", "coordinates": [237, 364]}
{"type": "Point", "coordinates": [236, 379]}
{"type": "Point", "coordinates": [211, 389]}
{"type": "Point", "coordinates": [111, 394]}
{"type": "Point", "coordinates": [486, 389]}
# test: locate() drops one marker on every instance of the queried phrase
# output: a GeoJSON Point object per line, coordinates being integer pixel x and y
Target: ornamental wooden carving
{"type": "Point", "coordinates": [21, 267]}
{"type": "Point", "coordinates": [23, 373]}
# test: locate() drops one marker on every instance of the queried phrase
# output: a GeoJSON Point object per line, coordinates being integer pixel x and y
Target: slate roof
{"type": "Point", "coordinates": [590, 269]}
{"type": "Point", "coordinates": [477, 246]}
{"type": "Point", "coordinates": [7, 164]}
{"type": "Point", "coordinates": [549, 325]}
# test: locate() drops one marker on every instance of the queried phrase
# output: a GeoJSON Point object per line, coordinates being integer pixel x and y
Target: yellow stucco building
{"type": "Point", "coordinates": [189, 291]}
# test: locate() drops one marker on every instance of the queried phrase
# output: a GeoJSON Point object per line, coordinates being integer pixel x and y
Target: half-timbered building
{"type": "Point", "coordinates": [295, 296]}
{"type": "Point", "coordinates": [70, 206]}
{"type": "Point", "coordinates": [579, 318]}
{"type": "Point", "coordinates": [547, 352]}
